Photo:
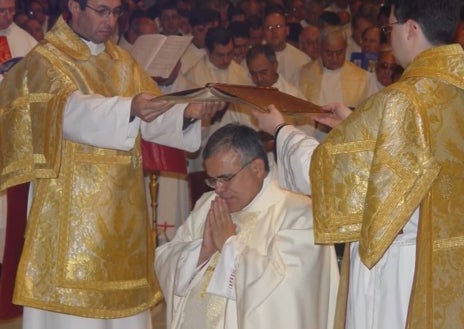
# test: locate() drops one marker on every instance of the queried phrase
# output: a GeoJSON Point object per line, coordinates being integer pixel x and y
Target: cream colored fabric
{"type": "Point", "coordinates": [352, 78]}
{"type": "Point", "coordinates": [39, 319]}
{"type": "Point", "coordinates": [291, 60]}
{"type": "Point", "coordinates": [204, 72]}
{"type": "Point", "coordinates": [270, 275]}
{"type": "Point", "coordinates": [19, 41]}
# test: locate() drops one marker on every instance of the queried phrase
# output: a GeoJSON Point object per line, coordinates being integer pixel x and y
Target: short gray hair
{"type": "Point", "coordinates": [332, 33]}
{"type": "Point", "coordinates": [240, 138]}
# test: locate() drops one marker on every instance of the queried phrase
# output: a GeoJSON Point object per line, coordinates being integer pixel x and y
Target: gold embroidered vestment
{"type": "Point", "coordinates": [88, 248]}
{"type": "Point", "coordinates": [400, 149]}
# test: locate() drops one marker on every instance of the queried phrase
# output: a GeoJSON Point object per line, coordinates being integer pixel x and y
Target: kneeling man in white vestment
{"type": "Point", "coordinates": [246, 258]}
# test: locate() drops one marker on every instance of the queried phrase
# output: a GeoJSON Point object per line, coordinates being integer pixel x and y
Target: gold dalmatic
{"type": "Point", "coordinates": [403, 148]}
{"type": "Point", "coordinates": [88, 248]}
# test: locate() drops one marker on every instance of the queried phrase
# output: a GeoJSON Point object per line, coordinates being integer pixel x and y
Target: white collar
{"type": "Point", "coordinates": [95, 48]}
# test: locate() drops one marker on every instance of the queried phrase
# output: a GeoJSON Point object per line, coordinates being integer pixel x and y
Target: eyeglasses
{"type": "Point", "coordinates": [387, 28]}
{"type": "Point", "coordinates": [275, 27]}
{"type": "Point", "coordinates": [7, 11]}
{"type": "Point", "coordinates": [105, 12]}
{"type": "Point", "coordinates": [223, 179]}
{"type": "Point", "coordinates": [386, 66]}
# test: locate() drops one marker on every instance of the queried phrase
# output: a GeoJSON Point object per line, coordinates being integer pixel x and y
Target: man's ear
{"type": "Point", "coordinates": [413, 28]}
{"type": "Point", "coordinates": [257, 166]}
{"type": "Point", "coordinates": [73, 7]}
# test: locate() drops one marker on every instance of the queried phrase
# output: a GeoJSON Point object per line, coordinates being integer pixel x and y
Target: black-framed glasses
{"type": "Point", "coordinates": [387, 28]}
{"type": "Point", "coordinates": [224, 179]}
{"type": "Point", "coordinates": [105, 12]}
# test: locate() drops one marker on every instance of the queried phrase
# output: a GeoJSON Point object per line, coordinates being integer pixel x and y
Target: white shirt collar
{"type": "Point", "coordinates": [95, 48]}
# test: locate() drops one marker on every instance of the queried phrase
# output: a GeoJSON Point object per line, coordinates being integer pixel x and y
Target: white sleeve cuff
{"type": "Point", "coordinates": [187, 268]}
{"type": "Point", "coordinates": [222, 282]}
{"type": "Point", "coordinates": [100, 121]}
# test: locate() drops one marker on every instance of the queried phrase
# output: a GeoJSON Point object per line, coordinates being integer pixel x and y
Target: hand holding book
{"type": "Point", "coordinates": [258, 98]}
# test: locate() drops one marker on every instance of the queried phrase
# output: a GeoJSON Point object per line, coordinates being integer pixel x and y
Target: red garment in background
{"type": "Point", "coordinates": [5, 53]}
{"type": "Point", "coordinates": [16, 219]}
{"type": "Point", "coordinates": [157, 158]}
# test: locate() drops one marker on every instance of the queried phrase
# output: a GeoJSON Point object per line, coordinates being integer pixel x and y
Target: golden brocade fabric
{"type": "Point", "coordinates": [88, 249]}
{"type": "Point", "coordinates": [400, 149]}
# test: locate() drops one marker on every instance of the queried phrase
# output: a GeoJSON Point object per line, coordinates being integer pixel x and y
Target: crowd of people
{"type": "Point", "coordinates": [250, 233]}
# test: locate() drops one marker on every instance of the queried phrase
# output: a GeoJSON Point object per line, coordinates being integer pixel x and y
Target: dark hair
{"type": "Point", "coordinates": [437, 18]}
{"type": "Point", "coordinates": [294, 31]}
{"type": "Point", "coordinates": [275, 9]}
{"type": "Point", "coordinates": [215, 36]}
{"type": "Point", "coordinates": [256, 23]}
{"type": "Point", "coordinates": [134, 20]}
{"type": "Point", "coordinates": [234, 11]}
{"type": "Point", "coordinates": [239, 29]}
{"type": "Point", "coordinates": [171, 5]}
{"type": "Point", "coordinates": [384, 11]}
{"type": "Point", "coordinates": [240, 138]}
{"type": "Point", "coordinates": [266, 50]}
{"type": "Point", "coordinates": [82, 4]}
{"type": "Point", "coordinates": [329, 18]}
{"type": "Point", "coordinates": [203, 16]}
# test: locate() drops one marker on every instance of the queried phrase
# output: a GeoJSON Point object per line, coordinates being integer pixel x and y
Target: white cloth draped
{"type": "Point", "coordinates": [377, 298]}
{"type": "Point", "coordinates": [39, 319]}
{"type": "Point", "coordinates": [291, 60]}
{"type": "Point", "coordinates": [270, 275]}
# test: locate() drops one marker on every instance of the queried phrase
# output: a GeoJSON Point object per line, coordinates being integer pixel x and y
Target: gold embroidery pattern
{"type": "Point", "coordinates": [88, 250]}
{"type": "Point", "coordinates": [418, 124]}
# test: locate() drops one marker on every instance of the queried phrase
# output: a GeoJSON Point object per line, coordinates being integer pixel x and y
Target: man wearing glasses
{"type": "Point", "coordinates": [389, 179]}
{"type": "Point", "coordinates": [245, 257]}
{"type": "Point", "coordinates": [71, 116]}
{"type": "Point", "coordinates": [276, 31]}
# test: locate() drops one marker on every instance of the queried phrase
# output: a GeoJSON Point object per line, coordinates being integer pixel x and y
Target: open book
{"type": "Point", "coordinates": [158, 54]}
{"type": "Point", "coordinates": [257, 97]}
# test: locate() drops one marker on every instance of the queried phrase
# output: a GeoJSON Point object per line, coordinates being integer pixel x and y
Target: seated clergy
{"type": "Point", "coordinates": [246, 258]}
